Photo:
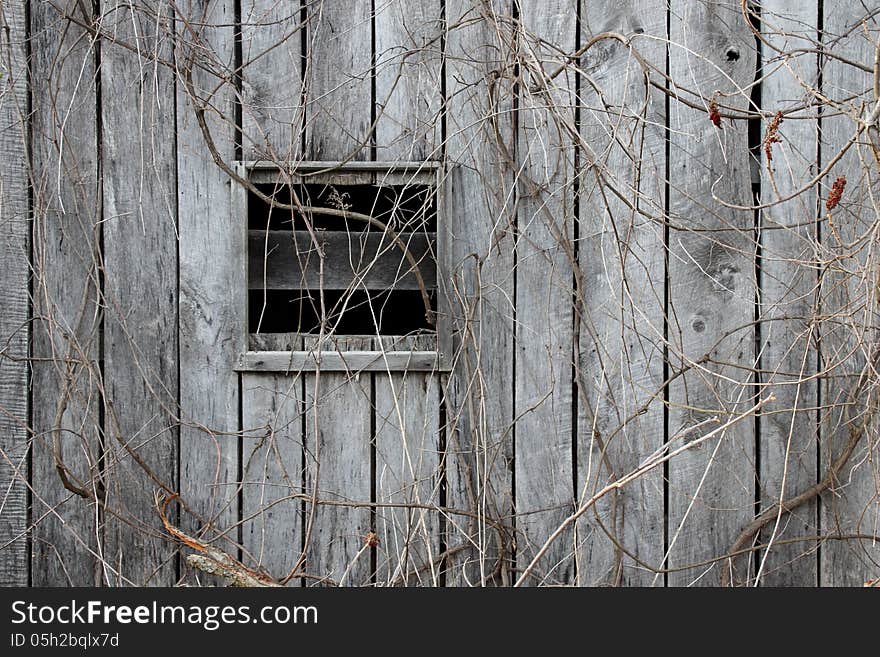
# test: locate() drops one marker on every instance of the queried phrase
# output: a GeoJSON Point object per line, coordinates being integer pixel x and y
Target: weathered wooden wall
{"type": "Point", "coordinates": [609, 288]}
{"type": "Point", "coordinates": [14, 327]}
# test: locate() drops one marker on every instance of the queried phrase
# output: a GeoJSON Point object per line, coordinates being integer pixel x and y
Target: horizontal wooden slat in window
{"type": "Point", "coordinates": [339, 361]}
{"type": "Point", "coordinates": [397, 173]}
{"type": "Point", "coordinates": [293, 342]}
{"type": "Point", "coordinates": [288, 260]}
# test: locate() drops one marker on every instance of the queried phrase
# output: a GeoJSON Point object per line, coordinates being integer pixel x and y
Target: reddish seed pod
{"type": "Point", "coordinates": [836, 193]}
{"type": "Point", "coordinates": [772, 137]}
{"type": "Point", "coordinates": [714, 114]}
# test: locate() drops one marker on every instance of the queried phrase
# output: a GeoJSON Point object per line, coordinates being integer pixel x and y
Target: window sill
{"type": "Point", "coordinates": [340, 361]}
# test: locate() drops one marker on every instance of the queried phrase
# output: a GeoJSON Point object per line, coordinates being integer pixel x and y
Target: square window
{"type": "Point", "coordinates": [339, 255]}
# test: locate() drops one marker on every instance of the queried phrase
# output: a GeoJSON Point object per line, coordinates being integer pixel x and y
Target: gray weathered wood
{"type": "Point", "coordinates": [289, 342]}
{"type": "Point", "coordinates": [212, 293]}
{"type": "Point", "coordinates": [289, 260]}
{"type": "Point", "coordinates": [479, 286]}
{"type": "Point", "coordinates": [271, 48]}
{"type": "Point", "coordinates": [274, 342]}
{"type": "Point", "coordinates": [140, 287]}
{"type": "Point", "coordinates": [65, 337]}
{"type": "Point", "coordinates": [408, 79]}
{"type": "Point", "coordinates": [338, 455]}
{"type": "Point", "coordinates": [339, 80]}
{"type": "Point", "coordinates": [712, 290]}
{"type": "Point", "coordinates": [620, 299]}
{"type": "Point", "coordinates": [330, 172]}
{"type": "Point", "coordinates": [584, 404]}
{"type": "Point", "coordinates": [338, 445]}
{"type": "Point", "coordinates": [339, 361]}
{"type": "Point", "coordinates": [272, 471]}
{"type": "Point", "coordinates": [544, 279]}
{"type": "Point", "coordinates": [787, 441]}
{"type": "Point", "coordinates": [14, 266]}
{"type": "Point", "coordinates": [407, 443]}
{"type": "Point", "coordinates": [849, 298]}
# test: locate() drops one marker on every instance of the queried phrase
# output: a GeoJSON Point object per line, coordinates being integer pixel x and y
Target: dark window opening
{"type": "Point", "coordinates": [375, 276]}
{"type": "Point", "coordinates": [358, 312]}
{"type": "Point", "coordinates": [406, 208]}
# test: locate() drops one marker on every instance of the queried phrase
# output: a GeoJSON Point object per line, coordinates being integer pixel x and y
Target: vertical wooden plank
{"type": "Point", "coordinates": [272, 406]}
{"type": "Point", "coordinates": [212, 293]}
{"type": "Point", "coordinates": [712, 288]}
{"type": "Point", "coordinates": [140, 265]}
{"type": "Point", "coordinates": [272, 471]}
{"type": "Point", "coordinates": [479, 288]}
{"type": "Point", "coordinates": [407, 413]}
{"type": "Point", "coordinates": [544, 289]}
{"type": "Point", "coordinates": [14, 272]}
{"type": "Point", "coordinates": [338, 457]}
{"type": "Point", "coordinates": [339, 80]}
{"type": "Point", "coordinates": [787, 441]}
{"type": "Point", "coordinates": [271, 45]}
{"type": "Point", "coordinates": [65, 345]}
{"type": "Point", "coordinates": [408, 79]}
{"type": "Point", "coordinates": [849, 299]}
{"type": "Point", "coordinates": [407, 443]}
{"type": "Point", "coordinates": [621, 293]}
{"type": "Point", "coordinates": [338, 450]}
